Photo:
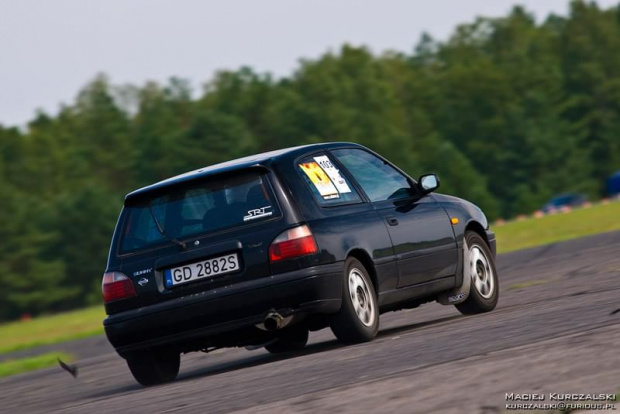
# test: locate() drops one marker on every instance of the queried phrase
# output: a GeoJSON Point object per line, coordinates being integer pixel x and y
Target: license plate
{"type": "Point", "coordinates": [204, 269]}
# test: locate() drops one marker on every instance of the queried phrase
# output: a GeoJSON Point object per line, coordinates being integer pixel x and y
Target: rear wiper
{"type": "Point", "coordinates": [161, 231]}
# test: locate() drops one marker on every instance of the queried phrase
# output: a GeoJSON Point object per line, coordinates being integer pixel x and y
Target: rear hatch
{"type": "Point", "coordinates": [189, 237]}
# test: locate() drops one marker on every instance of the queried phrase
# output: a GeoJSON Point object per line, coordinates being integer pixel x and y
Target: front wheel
{"type": "Point", "coordinates": [358, 318]}
{"type": "Point", "coordinates": [480, 267]}
{"type": "Point", "coordinates": [154, 368]}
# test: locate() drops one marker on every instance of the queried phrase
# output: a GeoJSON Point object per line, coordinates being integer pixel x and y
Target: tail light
{"type": "Point", "coordinates": [116, 286]}
{"type": "Point", "coordinates": [292, 243]}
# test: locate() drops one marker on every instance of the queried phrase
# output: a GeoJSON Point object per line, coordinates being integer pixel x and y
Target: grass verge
{"type": "Point", "coordinates": [19, 366]}
{"type": "Point", "coordinates": [534, 232]}
{"type": "Point", "coordinates": [46, 330]}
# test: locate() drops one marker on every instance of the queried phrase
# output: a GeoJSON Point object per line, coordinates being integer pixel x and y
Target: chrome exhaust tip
{"type": "Point", "coordinates": [273, 321]}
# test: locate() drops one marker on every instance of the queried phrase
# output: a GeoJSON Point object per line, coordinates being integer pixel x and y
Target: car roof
{"type": "Point", "coordinates": [258, 160]}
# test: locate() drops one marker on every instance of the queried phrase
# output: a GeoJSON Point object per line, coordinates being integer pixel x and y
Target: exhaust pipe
{"type": "Point", "coordinates": [273, 321]}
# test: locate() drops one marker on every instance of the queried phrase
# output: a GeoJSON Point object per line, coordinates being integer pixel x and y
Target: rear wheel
{"type": "Point", "coordinates": [358, 318]}
{"type": "Point", "coordinates": [290, 340]}
{"type": "Point", "coordinates": [484, 287]}
{"type": "Point", "coordinates": [153, 368]}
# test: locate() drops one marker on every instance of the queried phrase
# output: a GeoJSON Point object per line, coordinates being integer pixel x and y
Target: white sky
{"type": "Point", "coordinates": [49, 49]}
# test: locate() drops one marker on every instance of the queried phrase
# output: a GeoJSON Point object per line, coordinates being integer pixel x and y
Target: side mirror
{"type": "Point", "coordinates": [428, 183]}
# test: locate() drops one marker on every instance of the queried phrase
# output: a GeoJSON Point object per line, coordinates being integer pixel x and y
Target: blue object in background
{"type": "Point", "coordinates": [613, 184]}
{"type": "Point", "coordinates": [563, 200]}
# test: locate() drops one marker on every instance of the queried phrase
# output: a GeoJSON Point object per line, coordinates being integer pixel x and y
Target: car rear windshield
{"type": "Point", "coordinates": [204, 207]}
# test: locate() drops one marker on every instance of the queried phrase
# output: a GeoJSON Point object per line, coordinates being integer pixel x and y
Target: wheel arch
{"type": "Point", "coordinates": [363, 256]}
{"type": "Point", "coordinates": [475, 226]}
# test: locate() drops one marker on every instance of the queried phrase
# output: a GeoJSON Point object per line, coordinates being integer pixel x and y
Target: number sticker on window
{"type": "Point", "coordinates": [333, 173]}
{"type": "Point", "coordinates": [320, 180]}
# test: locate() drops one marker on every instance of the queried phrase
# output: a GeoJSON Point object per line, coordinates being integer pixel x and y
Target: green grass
{"type": "Point", "coordinates": [53, 329]}
{"type": "Point", "coordinates": [533, 232]}
{"type": "Point", "coordinates": [18, 366]}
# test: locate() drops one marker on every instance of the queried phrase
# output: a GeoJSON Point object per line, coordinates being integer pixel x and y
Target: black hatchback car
{"type": "Point", "coordinates": [261, 250]}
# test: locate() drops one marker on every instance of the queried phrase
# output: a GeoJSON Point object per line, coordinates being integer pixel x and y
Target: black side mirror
{"type": "Point", "coordinates": [428, 183]}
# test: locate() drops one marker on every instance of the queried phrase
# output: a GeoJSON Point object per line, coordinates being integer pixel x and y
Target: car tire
{"type": "Point", "coordinates": [289, 340]}
{"type": "Point", "coordinates": [484, 286]}
{"type": "Point", "coordinates": [154, 368]}
{"type": "Point", "coordinates": [358, 318]}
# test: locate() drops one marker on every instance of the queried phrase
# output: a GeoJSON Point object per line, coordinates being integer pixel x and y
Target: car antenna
{"type": "Point", "coordinates": [161, 231]}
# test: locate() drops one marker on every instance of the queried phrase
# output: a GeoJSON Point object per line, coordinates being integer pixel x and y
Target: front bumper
{"type": "Point", "coordinates": [315, 289]}
{"type": "Point", "coordinates": [492, 242]}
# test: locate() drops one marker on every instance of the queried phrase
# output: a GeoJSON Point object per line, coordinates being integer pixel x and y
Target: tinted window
{"type": "Point", "coordinates": [326, 182]}
{"type": "Point", "coordinates": [200, 208]}
{"type": "Point", "coordinates": [379, 180]}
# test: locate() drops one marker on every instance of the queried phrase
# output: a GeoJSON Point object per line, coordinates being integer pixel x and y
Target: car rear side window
{"type": "Point", "coordinates": [327, 184]}
{"type": "Point", "coordinates": [204, 207]}
{"type": "Point", "coordinates": [379, 180]}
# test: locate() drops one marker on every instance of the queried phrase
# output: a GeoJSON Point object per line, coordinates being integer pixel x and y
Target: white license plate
{"type": "Point", "coordinates": [204, 269]}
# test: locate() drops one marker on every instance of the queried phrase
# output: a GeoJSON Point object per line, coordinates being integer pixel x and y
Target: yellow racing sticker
{"type": "Point", "coordinates": [319, 178]}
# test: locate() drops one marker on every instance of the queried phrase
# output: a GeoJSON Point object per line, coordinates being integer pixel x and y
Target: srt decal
{"type": "Point", "coordinates": [257, 213]}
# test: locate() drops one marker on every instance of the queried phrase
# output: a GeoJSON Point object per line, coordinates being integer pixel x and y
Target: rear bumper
{"type": "Point", "coordinates": [316, 289]}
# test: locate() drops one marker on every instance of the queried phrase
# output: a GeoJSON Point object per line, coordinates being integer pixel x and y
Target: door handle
{"type": "Point", "coordinates": [392, 221]}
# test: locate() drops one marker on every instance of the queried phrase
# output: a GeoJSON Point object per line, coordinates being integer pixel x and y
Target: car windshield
{"type": "Point", "coordinates": [203, 207]}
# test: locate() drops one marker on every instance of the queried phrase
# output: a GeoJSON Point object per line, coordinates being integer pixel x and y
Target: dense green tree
{"type": "Point", "coordinates": [591, 63]}
{"type": "Point", "coordinates": [31, 280]}
{"type": "Point", "coordinates": [83, 220]}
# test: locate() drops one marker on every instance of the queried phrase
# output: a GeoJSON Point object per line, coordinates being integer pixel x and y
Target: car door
{"type": "Point", "coordinates": [420, 229]}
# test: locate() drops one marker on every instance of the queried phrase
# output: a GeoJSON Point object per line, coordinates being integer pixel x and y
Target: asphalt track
{"type": "Point", "coordinates": [556, 329]}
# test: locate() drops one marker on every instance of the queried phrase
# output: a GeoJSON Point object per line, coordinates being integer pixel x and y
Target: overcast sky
{"type": "Point", "coordinates": [49, 49]}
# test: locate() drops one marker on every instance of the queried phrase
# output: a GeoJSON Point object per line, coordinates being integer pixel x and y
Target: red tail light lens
{"type": "Point", "coordinates": [292, 243]}
{"type": "Point", "coordinates": [116, 286]}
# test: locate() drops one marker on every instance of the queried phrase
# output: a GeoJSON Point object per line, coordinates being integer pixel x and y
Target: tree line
{"type": "Point", "coordinates": [507, 111]}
